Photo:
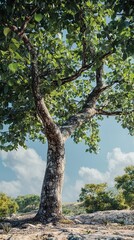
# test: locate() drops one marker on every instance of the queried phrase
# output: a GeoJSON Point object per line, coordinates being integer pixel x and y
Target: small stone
{"type": "Point", "coordinates": [51, 238]}
{"type": "Point", "coordinates": [64, 230]}
{"type": "Point", "coordinates": [28, 225]}
{"type": "Point", "coordinates": [50, 235]}
{"type": "Point", "coordinates": [74, 237]}
{"type": "Point", "coordinates": [77, 221]}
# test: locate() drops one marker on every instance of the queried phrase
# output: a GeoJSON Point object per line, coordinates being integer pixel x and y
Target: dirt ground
{"type": "Point", "coordinates": [70, 231]}
{"type": "Point", "coordinates": [13, 229]}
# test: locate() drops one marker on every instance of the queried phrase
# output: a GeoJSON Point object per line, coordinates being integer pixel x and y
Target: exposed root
{"type": "Point", "coordinates": [19, 222]}
{"type": "Point", "coordinates": [54, 220]}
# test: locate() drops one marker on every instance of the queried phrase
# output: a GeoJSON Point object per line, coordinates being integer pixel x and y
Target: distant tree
{"type": "Point", "coordinates": [28, 202]}
{"type": "Point", "coordinates": [96, 197]}
{"type": "Point", "coordinates": [8, 206]}
{"type": "Point", "coordinates": [125, 183]}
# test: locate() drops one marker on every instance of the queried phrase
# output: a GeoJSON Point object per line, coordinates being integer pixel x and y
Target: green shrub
{"type": "Point", "coordinates": [8, 206]}
{"type": "Point", "coordinates": [97, 197]}
{"type": "Point", "coordinates": [125, 184]}
{"type": "Point", "coordinates": [28, 202]}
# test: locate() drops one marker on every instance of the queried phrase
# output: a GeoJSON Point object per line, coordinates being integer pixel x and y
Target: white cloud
{"type": "Point", "coordinates": [92, 175]}
{"type": "Point", "coordinates": [117, 161]}
{"type": "Point", "coordinates": [12, 188]}
{"type": "Point", "coordinates": [28, 168]}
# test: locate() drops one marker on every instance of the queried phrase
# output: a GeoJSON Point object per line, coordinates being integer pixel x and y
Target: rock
{"type": "Point", "coordinates": [114, 216]}
{"type": "Point", "coordinates": [74, 237]}
{"type": "Point", "coordinates": [28, 225]}
{"type": "Point", "coordinates": [51, 238]}
{"type": "Point", "coordinates": [77, 221]}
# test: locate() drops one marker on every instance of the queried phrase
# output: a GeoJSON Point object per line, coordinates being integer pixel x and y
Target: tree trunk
{"type": "Point", "coordinates": [50, 208]}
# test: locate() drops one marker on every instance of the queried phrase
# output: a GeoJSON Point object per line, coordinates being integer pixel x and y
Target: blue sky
{"type": "Point", "coordinates": [21, 172]}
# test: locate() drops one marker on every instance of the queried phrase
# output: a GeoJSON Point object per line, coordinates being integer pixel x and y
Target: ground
{"type": "Point", "coordinates": [75, 229]}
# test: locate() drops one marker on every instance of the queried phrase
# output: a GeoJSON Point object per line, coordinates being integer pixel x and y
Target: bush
{"type": "Point", "coordinates": [8, 206]}
{"type": "Point", "coordinates": [125, 184]}
{"type": "Point", "coordinates": [96, 197]}
{"type": "Point", "coordinates": [28, 202]}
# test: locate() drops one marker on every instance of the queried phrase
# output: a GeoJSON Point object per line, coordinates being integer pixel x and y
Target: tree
{"type": "Point", "coordinates": [125, 183]}
{"type": "Point", "coordinates": [28, 202]}
{"type": "Point", "coordinates": [7, 205]}
{"type": "Point", "coordinates": [64, 66]}
{"type": "Point", "coordinates": [97, 197]}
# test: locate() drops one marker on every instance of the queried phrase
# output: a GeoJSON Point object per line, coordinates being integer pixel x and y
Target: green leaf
{"type": "Point", "coordinates": [89, 4]}
{"type": "Point", "coordinates": [13, 67]}
{"type": "Point", "coordinates": [12, 47]}
{"type": "Point", "coordinates": [38, 17]}
{"type": "Point", "coordinates": [3, 53]}
{"type": "Point", "coordinates": [6, 31]}
{"type": "Point", "coordinates": [16, 43]}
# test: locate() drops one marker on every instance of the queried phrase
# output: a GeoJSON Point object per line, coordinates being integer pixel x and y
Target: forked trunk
{"type": "Point", "coordinates": [50, 208]}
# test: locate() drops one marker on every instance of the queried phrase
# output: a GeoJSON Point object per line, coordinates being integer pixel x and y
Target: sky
{"type": "Point", "coordinates": [22, 171]}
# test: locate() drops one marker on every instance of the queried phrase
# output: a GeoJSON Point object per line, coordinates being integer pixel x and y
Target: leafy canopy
{"type": "Point", "coordinates": [72, 40]}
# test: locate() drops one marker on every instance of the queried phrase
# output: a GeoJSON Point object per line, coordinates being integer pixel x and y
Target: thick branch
{"type": "Point", "coordinates": [51, 129]}
{"type": "Point", "coordinates": [77, 120]}
{"type": "Point", "coordinates": [87, 112]}
{"type": "Point", "coordinates": [96, 92]}
{"type": "Point", "coordinates": [100, 88]}
{"type": "Point", "coordinates": [88, 109]}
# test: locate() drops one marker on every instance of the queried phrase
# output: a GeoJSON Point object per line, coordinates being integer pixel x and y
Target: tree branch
{"type": "Point", "coordinates": [80, 71]}
{"type": "Point", "coordinates": [75, 75]}
{"type": "Point", "coordinates": [115, 113]}
{"type": "Point", "coordinates": [75, 121]}
{"type": "Point", "coordinates": [21, 30]}
{"type": "Point", "coordinates": [96, 92]}
{"type": "Point", "coordinates": [27, 20]}
{"type": "Point", "coordinates": [100, 87]}
{"type": "Point", "coordinates": [88, 109]}
{"type": "Point", "coordinates": [99, 73]}
{"type": "Point", "coordinates": [51, 130]}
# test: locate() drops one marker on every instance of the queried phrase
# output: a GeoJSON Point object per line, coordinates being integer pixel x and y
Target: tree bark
{"type": "Point", "coordinates": [50, 208]}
